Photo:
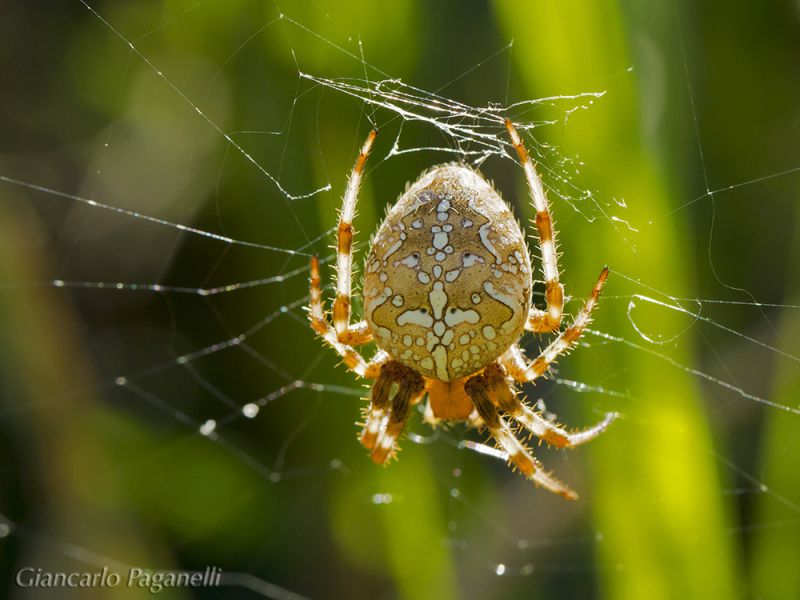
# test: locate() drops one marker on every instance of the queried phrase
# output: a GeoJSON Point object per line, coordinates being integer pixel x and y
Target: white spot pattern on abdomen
{"type": "Point", "coordinates": [460, 275]}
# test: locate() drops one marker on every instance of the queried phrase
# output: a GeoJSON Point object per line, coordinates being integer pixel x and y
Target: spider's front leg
{"type": "Point", "coordinates": [478, 388]}
{"type": "Point", "coordinates": [541, 321]}
{"type": "Point", "coordinates": [386, 416]}
{"type": "Point", "coordinates": [347, 332]}
{"type": "Point", "coordinates": [344, 334]}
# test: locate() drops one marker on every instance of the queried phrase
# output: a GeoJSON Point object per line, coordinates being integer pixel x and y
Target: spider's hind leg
{"type": "Point", "coordinates": [387, 415]}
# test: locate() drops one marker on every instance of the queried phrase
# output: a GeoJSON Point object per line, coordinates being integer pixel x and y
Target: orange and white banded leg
{"type": "Point", "coordinates": [377, 414]}
{"type": "Point", "coordinates": [517, 452]}
{"type": "Point", "coordinates": [319, 322]}
{"type": "Point", "coordinates": [386, 418]}
{"type": "Point", "coordinates": [542, 321]}
{"type": "Point", "coordinates": [523, 372]}
{"type": "Point", "coordinates": [344, 254]}
{"type": "Point", "coordinates": [503, 395]}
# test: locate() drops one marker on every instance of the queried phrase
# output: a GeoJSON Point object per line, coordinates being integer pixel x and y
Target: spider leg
{"type": "Point", "coordinates": [542, 321]}
{"type": "Point", "coordinates": [478, 390]}
{"type": "Point", "coordinates": [504, 396]}
{"type": "Point", "coordinates": [319, 322]}
{"type": "Point", "coordinates": [378, 410]}
{"type": "Point", "coordinates": [357, 334]}
{"type": "Point", "coordinates": [523, 372]}
{"type": "Point", "coordinates": [386, 418]}
{"type": "Point", "coordinates": [344, 254]}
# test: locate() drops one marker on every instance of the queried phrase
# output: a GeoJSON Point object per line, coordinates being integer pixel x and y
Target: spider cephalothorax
{"type": "Point", "coordinates": [447, 295]}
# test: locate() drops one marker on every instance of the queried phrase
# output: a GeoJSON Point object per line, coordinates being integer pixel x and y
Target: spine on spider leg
{"type": "Point", "coordinates": [344, 246]}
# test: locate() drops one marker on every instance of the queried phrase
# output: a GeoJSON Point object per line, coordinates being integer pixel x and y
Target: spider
{"type": "Point", "coordinates": [447, 296]}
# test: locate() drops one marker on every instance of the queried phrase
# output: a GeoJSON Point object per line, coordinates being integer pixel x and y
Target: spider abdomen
{"type": "Point", "coordinates": [447, 284]}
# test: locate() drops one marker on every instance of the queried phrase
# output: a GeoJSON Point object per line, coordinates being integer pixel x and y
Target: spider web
{"type": "Point", "coordinates": [167, 405]}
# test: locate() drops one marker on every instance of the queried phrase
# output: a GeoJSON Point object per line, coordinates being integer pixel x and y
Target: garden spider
{"type": "Point", "coordinates": [447, 295]}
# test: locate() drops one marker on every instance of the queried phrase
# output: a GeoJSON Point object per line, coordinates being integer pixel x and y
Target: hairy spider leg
{"type": "Point", "coordinates": [319, 322]}
{"type": "Point", "coordinates": [386, 418]}
{"type": "Point", "coordinates": [542, 321]}
{"type": "Point", "coordinates": [518, 453]}
{"type": "Point", "coordinates": [523, 372]}
{"type": "Point", "coordinates": [344, 335]}
{"type": "Point", "coordinates": [345, 331]}
{"type": "Point", "coordinates": [505, 398]}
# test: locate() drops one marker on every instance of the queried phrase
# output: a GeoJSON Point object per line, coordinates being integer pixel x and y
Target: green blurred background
{"type": "Point", "coordinates": [688, 186]}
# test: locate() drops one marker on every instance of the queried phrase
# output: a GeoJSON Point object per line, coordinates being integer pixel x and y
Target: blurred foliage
{"type": "Point", "coordinates": [699, 97]}
{"type": "Point", "coordinates": [776, 552]}
{"type": "Point", "coordinates": [663, 480]}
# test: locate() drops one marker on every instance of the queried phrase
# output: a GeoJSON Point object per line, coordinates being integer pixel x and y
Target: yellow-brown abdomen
{"type": "Point", "coordinates": [447, 284]}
